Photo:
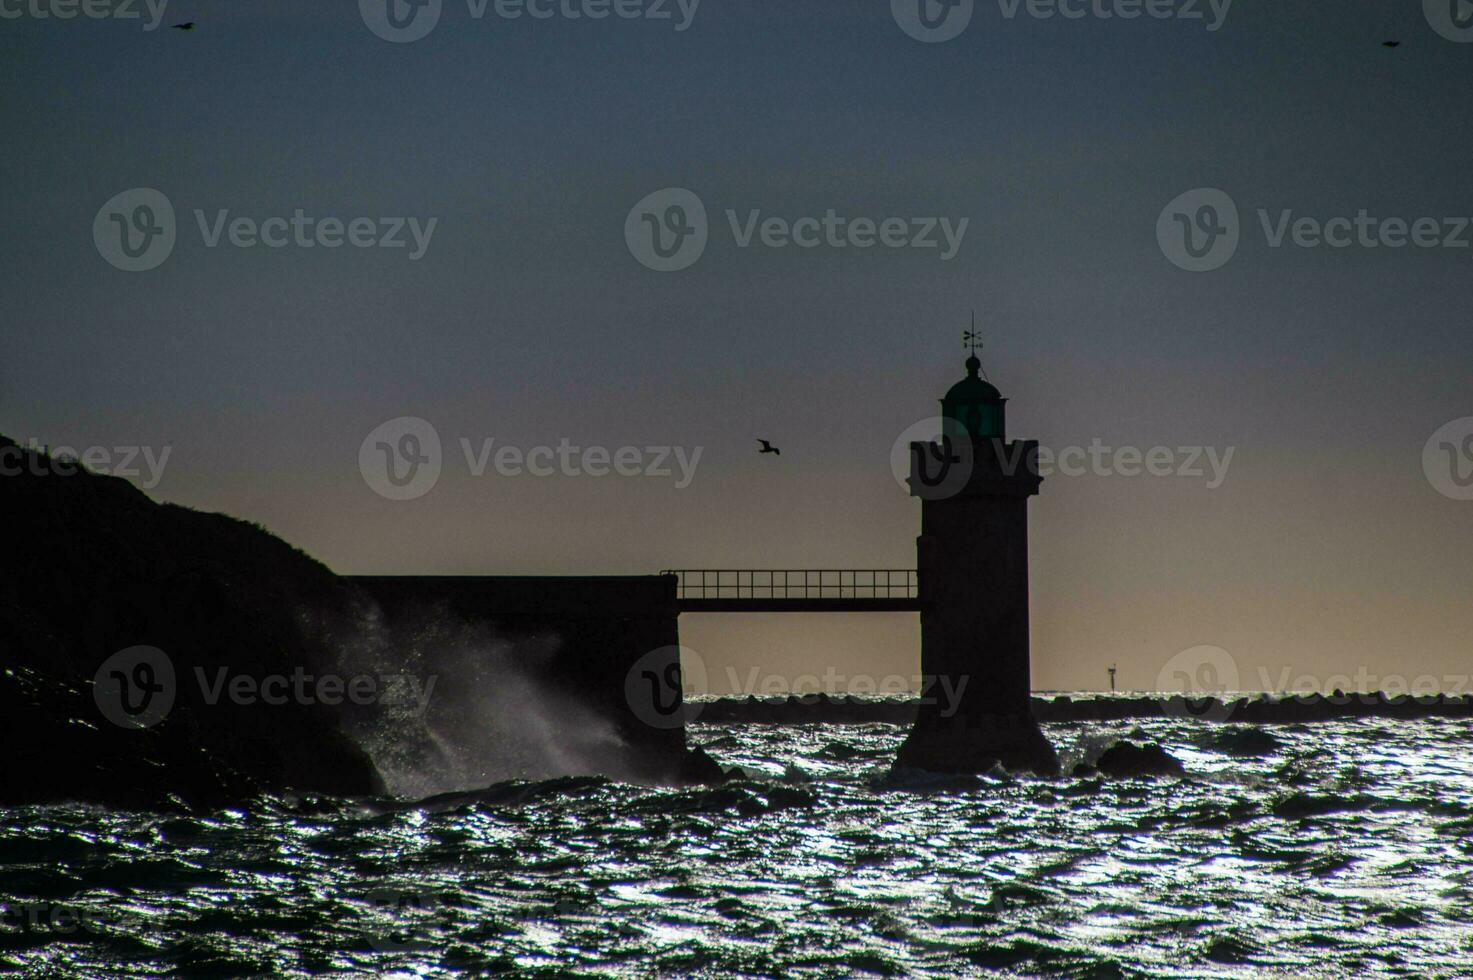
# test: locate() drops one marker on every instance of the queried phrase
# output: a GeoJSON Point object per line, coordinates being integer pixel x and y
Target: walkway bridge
{"type": "Point", "coordinates": [796, 590]}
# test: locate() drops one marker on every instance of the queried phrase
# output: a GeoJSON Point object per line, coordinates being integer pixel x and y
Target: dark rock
{"type": "Point", "coordinates": [1300, 805]}
{"type": "Point", "coordinates": [1126, 759]}
{"type": "Point", "coordinates": [1246, 741]}
{"type": "Point", "coordinates": [94, 567]}
{"type": "Point", "coordinates": [699, 767]}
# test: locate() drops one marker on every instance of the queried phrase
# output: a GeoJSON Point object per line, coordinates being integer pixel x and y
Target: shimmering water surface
{"type": "Point", "coordinates": [1342, 849]}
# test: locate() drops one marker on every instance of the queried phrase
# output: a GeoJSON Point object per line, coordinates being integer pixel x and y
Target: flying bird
{"type": "Point", "coordinates": [1389, 44]}
{"type": "Point", "coordinates": [768, 447]}
{"type": "Point", "coordinates": [188, 25]}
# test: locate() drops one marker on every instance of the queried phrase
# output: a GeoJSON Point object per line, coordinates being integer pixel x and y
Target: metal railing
{"type": "Point", "coordinates": [795, 583]}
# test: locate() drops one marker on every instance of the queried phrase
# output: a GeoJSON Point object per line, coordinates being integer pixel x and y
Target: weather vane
{"type": "Point", "coordinates": [971, 339]}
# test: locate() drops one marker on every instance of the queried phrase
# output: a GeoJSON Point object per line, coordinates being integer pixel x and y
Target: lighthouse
{"type": "Point", "coordinates": [972, 572]}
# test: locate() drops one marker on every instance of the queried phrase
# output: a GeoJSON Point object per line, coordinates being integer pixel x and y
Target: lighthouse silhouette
{"type": "Point", "coordinates": [972, 572]}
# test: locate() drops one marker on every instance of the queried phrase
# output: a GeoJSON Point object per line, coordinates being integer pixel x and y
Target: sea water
{"type": "Point", "coordinates": [1340, 848]}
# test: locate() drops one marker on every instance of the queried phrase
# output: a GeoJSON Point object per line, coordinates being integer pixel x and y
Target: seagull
{"type": "Point", "coordinates": [768, 447]}
{"type": "Point", "coordinates": [1389, 44]}
{"type": "Point", "coordinates": [188, 25]}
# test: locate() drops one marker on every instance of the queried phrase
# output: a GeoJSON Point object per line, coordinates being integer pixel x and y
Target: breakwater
{"type": "Point", "coordinates": [799, 709]}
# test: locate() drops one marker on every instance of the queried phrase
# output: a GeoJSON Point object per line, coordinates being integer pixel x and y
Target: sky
{"type": "Point", "coordinates": [531, 153]}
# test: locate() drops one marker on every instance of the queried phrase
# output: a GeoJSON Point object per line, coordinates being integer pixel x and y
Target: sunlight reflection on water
{"type": "Point", "coordinates": [1345, 850]}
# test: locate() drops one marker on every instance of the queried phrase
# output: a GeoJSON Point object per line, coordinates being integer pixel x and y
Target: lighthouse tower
{"type": "Point", "coordinates": [972, 567]}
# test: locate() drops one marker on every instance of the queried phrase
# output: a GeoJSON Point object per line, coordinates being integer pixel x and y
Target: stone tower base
{"type": "Point", "coordinates": [976, 744]}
